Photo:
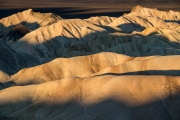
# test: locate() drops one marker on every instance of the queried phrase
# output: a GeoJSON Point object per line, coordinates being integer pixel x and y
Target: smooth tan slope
{"type": "Point", "coordinates": [102, 97]}
{"type": "Point", "coordinates": [155, 65]}
{"type": "Point", "coordinates": [97, 64]}
{"type": "Point", "coordinates": [68, 67]}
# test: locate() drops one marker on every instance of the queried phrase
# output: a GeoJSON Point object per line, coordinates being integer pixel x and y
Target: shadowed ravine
{"type": "Point", "coordinates": [102, 68]}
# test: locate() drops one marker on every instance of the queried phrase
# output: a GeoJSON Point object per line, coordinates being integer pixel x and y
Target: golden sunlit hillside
{"type": "Point", "coordinates": [97, 68]}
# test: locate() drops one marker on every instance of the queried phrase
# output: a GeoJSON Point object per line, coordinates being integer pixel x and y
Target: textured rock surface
{"type": "Point", "coordinates": [104, 68]}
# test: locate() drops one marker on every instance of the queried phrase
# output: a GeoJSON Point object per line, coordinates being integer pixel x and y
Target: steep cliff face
{"type": "Point", "coordinates": [102, 67]}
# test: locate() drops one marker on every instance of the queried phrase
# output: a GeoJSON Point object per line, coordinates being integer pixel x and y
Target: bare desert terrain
{"type": "Point", "coordinates": [106, 63]}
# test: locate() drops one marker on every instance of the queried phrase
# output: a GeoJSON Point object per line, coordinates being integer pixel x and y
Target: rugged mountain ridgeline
{"type": "Point", "coordinates": [101, 67]}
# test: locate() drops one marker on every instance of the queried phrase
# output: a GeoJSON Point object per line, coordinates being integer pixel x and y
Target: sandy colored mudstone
{"type": "Point", "coordinates": [103, 68]}
{"type": "Point", "coordinates": [105, 97]}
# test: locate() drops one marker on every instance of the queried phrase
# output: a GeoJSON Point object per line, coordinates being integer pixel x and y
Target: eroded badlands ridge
{"type": "Point", "coordinates": [101, 67]}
